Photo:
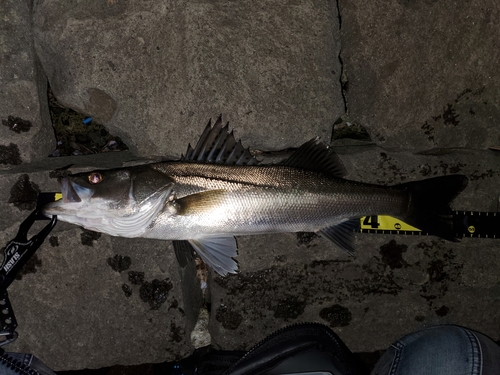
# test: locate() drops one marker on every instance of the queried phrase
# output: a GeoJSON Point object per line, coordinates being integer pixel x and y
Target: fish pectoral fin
{"type": "Point", "coordinates": [217, 252]}
{"type": "Point", "coordinates": [199, 202]}
{"type": "Point", "coordinates": [342, 234]}
{"type": "Point", "coordinates": [183, 252]}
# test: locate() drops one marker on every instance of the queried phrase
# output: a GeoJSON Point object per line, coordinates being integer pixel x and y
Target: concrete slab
{"type": "Point", "coordinates": [154, 73]}
{"type": "Point", "coordinates": [25, 128]}
{"type": "Point", "coordinates": [423, 75]}
{"type": "Point", "coordinates": [397, 282]}
{"type": "Point", "coordinates": [418, 77]}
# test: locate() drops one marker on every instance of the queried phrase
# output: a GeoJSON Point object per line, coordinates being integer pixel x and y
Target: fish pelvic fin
{"type": "Point", "coordinates": [318, 157]}
{"type": "Point", "coordinates": [183, 252]}
{"type": "Point", "coordinates": [217, 252]}
{"type": "Point", "coordinates": [429, 207]}
{"type": "Point", "coordinates": [217, 145]}
{"type": "Point", "coordinates": [342, 235]}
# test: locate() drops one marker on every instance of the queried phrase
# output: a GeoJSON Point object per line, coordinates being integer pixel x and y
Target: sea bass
{"type": "Point", "coordinates": [218, 190]}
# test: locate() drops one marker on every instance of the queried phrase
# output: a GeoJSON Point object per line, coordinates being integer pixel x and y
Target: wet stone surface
{"type": "Point", "coordinates": [305, 238]}
{"type": "Point", "coordinates": [32, 266]}
{"type": "Point", "coordinates": [10, 154]}
{"type": "Point", "coordinates": [25, 131]}
{"type": "Point", "coordinates": [24, 193]}
{"type": "Point", "coordinates": [403, 282]}
{"type": "Point", "coordinates": [54, 241]}
{"type": "Point", "coordinates": [228, 318]}
{"type": "Point", "coordinates": [336, 315]}
{"type": "Point", "coordinates": [75, 285]}
{"type": "Point", "coordinates": [17, 124]}
{"type": "Point", "coordinates": [136, 278]}
{"type": "Point", "coordinates": [88, 237]}
{"type": "Point", "coordinates": [176, 332]}
{"type": "Point", "coordinates": [119, 85]}
{"type": "Point", "coordinates": [392, 254]}
{"type": "Point", "coordinates": [155, 292]}
{"type": "Point", "coordinates": [289, 307]}
{"type": "Point", "coordinates": [127, 290]}
{"type": "Point", "coordinates": [119, 263]}
{"type": "Point", "coordinates": [422, 94]}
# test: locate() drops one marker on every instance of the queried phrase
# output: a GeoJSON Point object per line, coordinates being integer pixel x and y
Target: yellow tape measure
{"type": "Point", "coordinates": [385, 224]}
{"type": "Point", "coordinates": [465, 224]}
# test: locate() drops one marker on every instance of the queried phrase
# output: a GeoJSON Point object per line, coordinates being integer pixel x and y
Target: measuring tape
{"type": "Point", "coordinates": [465, 223]}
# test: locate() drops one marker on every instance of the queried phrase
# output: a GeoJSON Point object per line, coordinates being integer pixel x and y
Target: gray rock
{"type": "Point", "coordinates": [423, 75]}
{"type": "Point", "coordinates": [154, 73]}
{"type": "Point", "coordinates": [394, 281]}
{"type": "Point", "coordinates": [81, 310]}
{"type": "Point", "coordinates": [25, 127]}
{"type": "Point", "coordinates": [418, 76]}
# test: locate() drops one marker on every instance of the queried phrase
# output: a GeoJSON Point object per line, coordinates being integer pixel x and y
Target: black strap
{"type": "Point", "coordinates": [16, 253]}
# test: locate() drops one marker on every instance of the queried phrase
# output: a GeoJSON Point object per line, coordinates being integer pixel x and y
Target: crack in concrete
{"type": "Point", "coordinates": [343, 76]}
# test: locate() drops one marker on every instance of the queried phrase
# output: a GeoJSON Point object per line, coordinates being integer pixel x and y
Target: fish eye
{"type": "Point", "coordinates": [95, 178]}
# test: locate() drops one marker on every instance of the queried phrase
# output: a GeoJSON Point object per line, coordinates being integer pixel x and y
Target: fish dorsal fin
{"type": "Point", "coordinates": [217, 145]}
{"type": "Point", "coordinates": [318, 157]}
{"type": "Point", "coordinates": [342, 234]}
{"type": "Point", "coordinates": [217, 252]}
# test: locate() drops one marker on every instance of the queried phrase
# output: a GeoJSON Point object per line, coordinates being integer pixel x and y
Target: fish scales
{"type": "Point", "coordinates": [263, 199]}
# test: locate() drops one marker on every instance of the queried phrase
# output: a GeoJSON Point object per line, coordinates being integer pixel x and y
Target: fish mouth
{"type": "Point", "coordinates": [68, 191]}
{"type": "Point", "coordinates": [73, 196]}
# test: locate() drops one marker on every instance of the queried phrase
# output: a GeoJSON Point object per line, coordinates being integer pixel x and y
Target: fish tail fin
{"type": "Point", "coordinates": [429, 207]}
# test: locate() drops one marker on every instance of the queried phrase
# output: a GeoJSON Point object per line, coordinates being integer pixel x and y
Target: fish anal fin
{"type": "Point", "coordinates": [318, 157]}
{"type": "Point", "coordinates": [217, 252]}
{"type": "Point", "coordinates": [342, 235]}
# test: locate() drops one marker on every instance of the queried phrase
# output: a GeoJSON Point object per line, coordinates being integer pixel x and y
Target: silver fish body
{"type": "Point", "coordinates": [210, 200]}
{"type": "Point", "coordinates": [217, 191]}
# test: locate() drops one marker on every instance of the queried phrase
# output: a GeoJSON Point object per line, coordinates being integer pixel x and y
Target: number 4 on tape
{"type": "Point", "coordinates": [382, 223]}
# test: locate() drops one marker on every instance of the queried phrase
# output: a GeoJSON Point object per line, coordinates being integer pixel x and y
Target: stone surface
{"type": "Point", "coordinates": [418, 76]}
{"type": "Point", "coordinates": [154, 73]}
{"type": "Point", "coordinates": [423, 74]}
{"type": "Point", "coordinates": [394, 284]}
{"type": "Point", "coordinates": [81, 303]}
{"type": "Point", "coordinates": [78, 312]}
{"type": "Point", "coordinates": [25, 128]}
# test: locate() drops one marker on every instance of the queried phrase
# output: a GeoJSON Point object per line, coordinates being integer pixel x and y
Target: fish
{"type": "Point", "coordinates": [219, 190]}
